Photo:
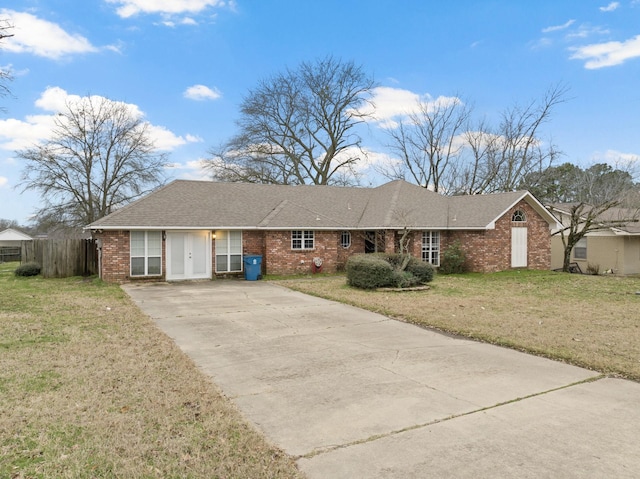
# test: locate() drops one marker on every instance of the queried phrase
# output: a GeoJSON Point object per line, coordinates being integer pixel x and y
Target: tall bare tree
{"type": "Point", "coordinates": [5, 75]}
{"type": "Point", "coordinates": [100, 156]}
{"type": "Point", "coordinates": [428, 143]}
{"type": "Point", "coordinates": [298, 127]}
{"type": "Point", "coordinates": [597, 200]}
{"type": "Point", "coordinates": [500, 157]}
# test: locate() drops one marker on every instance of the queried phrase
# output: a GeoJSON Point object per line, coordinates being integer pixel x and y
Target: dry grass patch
{"type": "Point", "coordinates": [591, 321]}
{"type": "Point", "coordinates": [91, 388]}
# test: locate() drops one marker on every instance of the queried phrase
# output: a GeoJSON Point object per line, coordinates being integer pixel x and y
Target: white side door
{"type": "Point", "coordinates": [518, 247]}
{"type": "Point", "coordinates": [188, 255]}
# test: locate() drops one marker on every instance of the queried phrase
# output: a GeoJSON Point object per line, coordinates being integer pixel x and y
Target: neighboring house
{"type": "Point", "coordinates": [614, 246]}
{"type": "Point", "coordinates": [10, 244]}
{"type": "Point", "coordinates": [202, 229]}
{"type": "Point", "coordinates": [11, 237]}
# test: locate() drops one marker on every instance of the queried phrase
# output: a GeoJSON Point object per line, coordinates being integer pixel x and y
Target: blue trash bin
{"type": "Point", "coordinates": [252, 267]}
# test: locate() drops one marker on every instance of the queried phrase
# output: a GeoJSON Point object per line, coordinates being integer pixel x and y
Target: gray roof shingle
{"type": "Point", "coordinates": [185, 204]}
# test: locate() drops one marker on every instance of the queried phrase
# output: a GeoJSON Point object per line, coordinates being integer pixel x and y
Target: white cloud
{"type": "Point", "coordinates": [3, 181]}
{"type": "Point", "coordinates": [600, 55]}
{"type": "Point", "coordinates": [18, 134]}
{"type": "Point", "coordinates": [616, 158]}
{"type": "Point", "coordinates": [611, 7]}
{"type": "Point", "coordinates": [165, 139]}
{"type": "Point", "coordinates": [130, 8]}
{"type": "Point", "coordinates": [201, 93]}
{"type": "Point", "coordinates": [555, 28]}
{"type": "Point", "coordinates": [192, 170]}
{"type": "Point", "coordinates": [586, 30]}
{"type": "Point", "coordinates": [42, 38]}
{"type": "Point", "coordinates": [391, 106]}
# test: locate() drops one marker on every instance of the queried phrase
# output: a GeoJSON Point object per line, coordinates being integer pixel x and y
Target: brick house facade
{"type": "Point", "coordinates": [484, 226]}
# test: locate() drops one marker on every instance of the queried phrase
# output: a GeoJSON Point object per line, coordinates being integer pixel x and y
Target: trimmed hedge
{"type": "Point", "coordinates": [28, 269]}
{"type": "Point", "coordinates": [453, 259]}
{"type": "Point", "coordinates": [370, 271]}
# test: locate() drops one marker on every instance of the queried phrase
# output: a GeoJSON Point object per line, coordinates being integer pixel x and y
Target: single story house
{"type": "Point", "coordinates": [203, 229]}
{"type": "Point", "coordinates": [11, 237]}
{"type": "Point", "coordinates": [613, 246]}
{"type": "Point", "coordinates": [11, 243]}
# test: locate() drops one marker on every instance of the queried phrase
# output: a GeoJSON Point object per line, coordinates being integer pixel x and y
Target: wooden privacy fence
{"type": "Point", "coordinates": [62, 258]}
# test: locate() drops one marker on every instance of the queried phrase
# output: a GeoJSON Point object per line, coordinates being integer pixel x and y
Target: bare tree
{"type": "Point", "coordinates": [99, 157]}
{"type": "Point", "coordinates": [599, 202]}
{"type": "Point", "coordinates": [5, 75]}
{"type": "Point", "coordinates": [298, 127]}
{"type": "Point", "coordinates": [428, 144]}
{"type": "Point", "coordinates": [442, 148]}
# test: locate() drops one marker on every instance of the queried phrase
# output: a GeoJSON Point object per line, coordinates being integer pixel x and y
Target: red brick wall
{"type": "Point", "coordinates": [489, 251]}
{"type": "Point", "coordinates": [115, 255]}
{"type": "Point", "coordinates": [115, 266]}
{"type": "Point", "coordinates": [486, 250]}
{"type": "Point", "coordinates": [281, 259]}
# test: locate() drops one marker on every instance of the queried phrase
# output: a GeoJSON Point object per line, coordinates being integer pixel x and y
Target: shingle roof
{"type": "Point", "coordinates": [622, 221]}
{"type": "Point", "coordinates": [13, 235]}
{"type": "Point", "coordinates": [185, 204]}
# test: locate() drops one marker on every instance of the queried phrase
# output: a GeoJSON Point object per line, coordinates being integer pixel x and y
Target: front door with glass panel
{"type": "Point", "coordinates": [188, 255]}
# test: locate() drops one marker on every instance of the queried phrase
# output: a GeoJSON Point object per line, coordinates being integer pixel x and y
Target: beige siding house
{"type": "Point", "coordinates": [614, 249]}
{"type": "Point", "coordinates": [203, 229]}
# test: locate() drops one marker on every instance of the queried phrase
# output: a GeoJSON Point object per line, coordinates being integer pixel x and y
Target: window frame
{"type": "Point", "coordinates": [345, 243]}
{"type": "Point", "coordinates": [429, 253]}
{"type": "Point", "coordinates": [146, 256]}
{"type": "Point", "coordinates": [226, 236]}
{"type": "Point", "coordinates": [303, 240]}
{"type": "Point", "coordinates": [580, 249]}
{"type": "Point", "coordinates": [519, 216]}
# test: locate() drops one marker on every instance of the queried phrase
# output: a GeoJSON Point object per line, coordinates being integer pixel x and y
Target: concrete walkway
{"type": "Point", "coordinates": [353, 394]}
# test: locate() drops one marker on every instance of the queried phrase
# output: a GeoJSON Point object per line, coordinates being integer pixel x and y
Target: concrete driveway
{"type": "Point", "coordinates": [353, 394]}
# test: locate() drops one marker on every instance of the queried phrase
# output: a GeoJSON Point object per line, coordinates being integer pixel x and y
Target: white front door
{"type": "Point", "coordinates": [518, 247]}
{"type": "Point", "coordinates": [188, 255]}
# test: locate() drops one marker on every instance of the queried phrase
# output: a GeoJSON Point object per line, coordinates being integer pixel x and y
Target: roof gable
{"type": "Point", "coordinates": [185, 204]}
{"type": "Point", "coordinates": [14, 235]}
{"type": "Point", "coordinates": [621, 221]}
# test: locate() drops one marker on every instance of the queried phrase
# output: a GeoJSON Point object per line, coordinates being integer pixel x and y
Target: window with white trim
{"type": "Point", "coordinates": [228, 251]}
{"type": "Point", "coordinates": [302, 239]}
{"type": "Point", "coordinates": [518, 216]}
{"type": "Point", "coordinates": [431, 247]}
{"type": "Point", "coordinates": [580, 249]}
{"type": "Point", "coordinates": [345, 239]}
{"type": "Point", "coordinates": [146, 253]}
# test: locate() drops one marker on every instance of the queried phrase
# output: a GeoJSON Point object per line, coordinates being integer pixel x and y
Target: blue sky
{"type": "Point", "coordinates": [186, 64]}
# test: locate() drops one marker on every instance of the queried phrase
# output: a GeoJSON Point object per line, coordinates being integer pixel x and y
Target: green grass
{"type": "Point", "coordinates": [590, 321]}
{"type": "Point", "coordinates": [90, 388]}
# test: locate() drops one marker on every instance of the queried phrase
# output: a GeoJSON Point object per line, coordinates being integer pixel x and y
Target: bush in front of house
{"type": "Point", "coordinates": [370, 271]}
{"type": "Point", "coordinates": [453, 259]}
{"type": "Point", "coordinates": [28, 269]}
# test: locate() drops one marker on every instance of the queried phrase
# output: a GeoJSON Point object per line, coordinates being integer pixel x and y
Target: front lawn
{"type": "Point", "coordinates": [90, 388]}
{"type": "Point", "coordinates": [591, 321]}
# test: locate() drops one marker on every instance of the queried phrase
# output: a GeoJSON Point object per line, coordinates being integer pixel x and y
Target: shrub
{"type": "Point", "coordinates": [453, 259]}
{"type": "Point", "coordinates": [423, 271]}
{"type": "Point", "coordinates": [370, 271]}
{"type": "Point", "coordinates": [593, 269]}
{"type": "Point", "coordinates": [28, 269]}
